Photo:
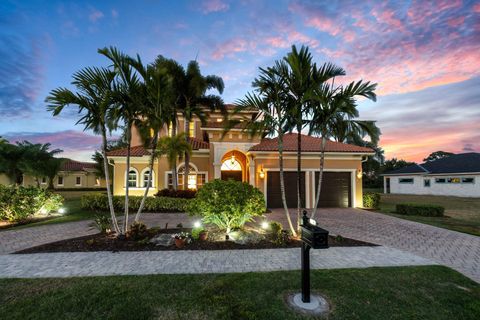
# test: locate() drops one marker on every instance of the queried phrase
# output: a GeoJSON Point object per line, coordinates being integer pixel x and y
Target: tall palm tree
{"type": "Point", "coordinates": [155, 114]}
{"type": "Point", "coordinates": [36, 158]}
{"type": "Point", "coordinates": [129, 93]}
{"type": "Point", "coordinates": [174, 148]}
{"type": "Point", "coordinates": [332, 113]}
{"type": "Point", "coordinates": [302, 78]}
{"type": "Point", "coordinates": [93, 98]}
{"type": "Point", "coordinates": [270, 101]}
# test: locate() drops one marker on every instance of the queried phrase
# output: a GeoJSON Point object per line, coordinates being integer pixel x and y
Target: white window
{"type": "Point", "coordinates": [132, 178]}
{"type": "Point", "coordinates": [468, 180]}
{"type": "Point", "coordinates": [195, 179]}
{"type": "Point", "coordinates": [426, 183]}
{"type": "Point", "coordinates": [191, 129]}
{"type": "Point", "coordinates": [405, 180]}
{"type": "Point", "coordinates": [145, 178]}
{"type": "Point", "coordinates": [453, 180]}
{"type": "Point", "coordinates": [440, 180]}
{"type": "Point", "coordinates": [78, 181]}
{"type": "Point", "coordinates": [60, 180]}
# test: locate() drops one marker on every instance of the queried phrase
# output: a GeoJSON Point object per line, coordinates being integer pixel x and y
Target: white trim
{"type": "Point", "coordinates": [125, 182]}
{"type": "Point", "coordinates": [142, 178]}
{"type": "Point", "coordinates": [307, 153]}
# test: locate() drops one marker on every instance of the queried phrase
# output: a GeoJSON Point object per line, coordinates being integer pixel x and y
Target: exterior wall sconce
{"type": "Point", "coordinates": [261, 174]}
{"type": "Point", "coordinates": [359, 174]}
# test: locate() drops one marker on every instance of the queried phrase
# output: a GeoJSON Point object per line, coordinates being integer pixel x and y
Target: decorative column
{"type": "Point", "coordinates": [217, 167]}
{"type": "Point", "coordinates": [252, 171]}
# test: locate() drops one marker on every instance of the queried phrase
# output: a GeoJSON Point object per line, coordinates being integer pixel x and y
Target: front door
{"type": "Point", "coordinates": [234, 175]}
{"type": "Point", "coordinates": [387, 184]}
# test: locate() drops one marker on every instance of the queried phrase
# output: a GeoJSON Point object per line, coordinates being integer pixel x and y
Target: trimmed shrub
{"type": "Point", "coordinates": [371, 200]}
{"type": "Point", "coordinates": [427, 210]}
{"type": "Point", "coordinates": [227, 204]}
{"type": "Point", "coordinates": [20, 203]}
{"type": "Point", "coordinates": [99, 202]}
{"type": "Point", "coordinates": [186, 194]}
{"type": "Point", "coordinates": [103, 223]}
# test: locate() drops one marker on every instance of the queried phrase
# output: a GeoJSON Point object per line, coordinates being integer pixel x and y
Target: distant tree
{"type": "Point", "coordinates": [36, 160]}
{"type": "Point", "coordinates": [10, 156]}
{"type": "Point", "coordinates": [438, 155]}
{"type": "Point", "coordinates": [394, 164]}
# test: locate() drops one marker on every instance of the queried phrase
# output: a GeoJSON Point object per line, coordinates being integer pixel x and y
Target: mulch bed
{"type": "Point", "coordinates": [102, 242]}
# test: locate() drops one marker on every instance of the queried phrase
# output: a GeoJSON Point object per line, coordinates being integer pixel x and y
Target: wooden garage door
{"type": "Point", "coordinates": [274, 197]}
{"type": "Point", "coordinates": [336, 189]}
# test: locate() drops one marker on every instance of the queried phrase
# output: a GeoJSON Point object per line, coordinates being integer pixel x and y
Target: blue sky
{"type": "Point", "coordinates": [425, 57]}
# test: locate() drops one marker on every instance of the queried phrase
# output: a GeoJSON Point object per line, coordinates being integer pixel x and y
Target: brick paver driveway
{"type": "Point", "coordinates": [454, 249]}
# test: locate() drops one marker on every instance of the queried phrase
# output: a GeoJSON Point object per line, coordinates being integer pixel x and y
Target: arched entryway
{"type": "Point", "coordinates": [234, 164]}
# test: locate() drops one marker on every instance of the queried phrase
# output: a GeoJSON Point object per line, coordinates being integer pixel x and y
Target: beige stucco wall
{"type": "Point", "coordinates": [88, 180]}
{"type": "Point", "coordinates": [4, 179]}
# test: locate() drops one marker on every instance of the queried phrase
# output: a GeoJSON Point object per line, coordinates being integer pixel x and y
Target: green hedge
{"type": "Point", "coordinates": [99, 202]}
{"type": "Point", "coordinates": [427, 210]}
{"type": "Point", "coordinates": [371, 200]}
{"type": "Point", "coordinates": [20, 203]}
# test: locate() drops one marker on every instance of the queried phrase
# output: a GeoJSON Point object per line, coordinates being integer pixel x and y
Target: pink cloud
{"type": "Point", "coordinates": [95, 15]}
{"type": "Point", "coordinates": [476, 8]}
{"type": "Point", "coordinates": [456, 22]}
{"type": "Point", "coordinates": [231, 46]}
{"type": "Point", "coordinates": [209, 6]}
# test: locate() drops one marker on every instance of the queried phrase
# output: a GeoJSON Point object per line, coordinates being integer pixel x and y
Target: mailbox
{"type": "Point", "coordinates": [314, 236]}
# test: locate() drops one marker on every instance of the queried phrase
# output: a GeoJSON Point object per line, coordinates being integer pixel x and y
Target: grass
{"type": "Point", "coordinates": [431, 292]}
{"type": "Point", "coordinates": [461, 214]}
{"type": "Point", "coordinates": [74, 212]}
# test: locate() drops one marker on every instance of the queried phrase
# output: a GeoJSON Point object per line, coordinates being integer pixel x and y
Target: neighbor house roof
{"type": "Point", "coordinates": [309, 144]}
{"type": "Point", "coordinates": [457, 163]}
{"type": "Point", "coordinates": [140, 151]}
{"type": "Point", "coordinates": [72, 165]}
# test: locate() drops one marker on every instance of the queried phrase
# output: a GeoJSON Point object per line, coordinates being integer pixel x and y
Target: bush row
{"type": "Point", "coordinates": [20, 203]}
{"type": "Point", "coordinates": [186, 194]}
{"type": "Point", "coordinates": [99, 202]}
{"type": "Point", "coordinates": [371, 200]}
{"type": "Point", "coordinates": [426, 210]}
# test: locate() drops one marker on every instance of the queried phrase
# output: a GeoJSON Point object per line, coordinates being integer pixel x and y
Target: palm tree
{"type": "Point", "coordinates": [129, 93]}
{"type": "Point", "coordinates": [51, 168]}
{"type": "Point", "coordinates": [332, 113]}
{"type": "Point", "coordinates": [174, 148]}
{"type": "Point", "coordinates": [36, 159]}
{"type": "Point", "coordinates": [93, 98]}
{"type": "Point", "coordinates": [155, 114]}
{"type": "Point", "coordinates": [10, 156]}
{"type": "Point", "coordinates": [270, 101]}
{"type": "Point", "coordinates": [302, 78]}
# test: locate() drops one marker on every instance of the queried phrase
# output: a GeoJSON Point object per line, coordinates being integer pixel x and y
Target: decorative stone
{"type": "Point", "coordinates": [245, 237]}
{"type": "Point", "coordinates": [163, 239]}
{"type": "Point", "coordinates": [318, 305]}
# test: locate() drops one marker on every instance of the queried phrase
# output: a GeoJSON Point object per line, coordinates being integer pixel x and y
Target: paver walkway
{"type": "Point", "coordinates": [216, 261]}
{"type": "Point", "coordinates": [15, 240]}
{"type": "Point", "coordinates": [456, 250]}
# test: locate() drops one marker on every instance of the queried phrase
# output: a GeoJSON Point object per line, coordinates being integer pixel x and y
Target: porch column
{"type": "Point", "coordinates": [252, 171]}
{"type": "Point", "coordinates": [217, 170]}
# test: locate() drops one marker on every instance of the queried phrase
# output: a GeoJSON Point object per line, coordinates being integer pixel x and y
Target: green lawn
{"type": "Point", "coordinates": [431, 292]}
{"type": "Point", "coordinates": [461, 214]}
{"type": "Point", "coordinates": [74, 212]}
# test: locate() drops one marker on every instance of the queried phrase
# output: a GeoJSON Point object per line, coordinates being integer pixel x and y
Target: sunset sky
{"type": "Point", "coordinates": [424, 55]}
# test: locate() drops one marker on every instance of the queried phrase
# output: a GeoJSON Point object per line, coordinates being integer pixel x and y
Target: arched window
{"type": "Point", "coordinates": [231, 164]}
{"type": "Point", "coordinates": [132, 178]}
{"type": "Point", "coordinates": [194, 181]}
{"type": "Point", "coordinates": [145, 176]}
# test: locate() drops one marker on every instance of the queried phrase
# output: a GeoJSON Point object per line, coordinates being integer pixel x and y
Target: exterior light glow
{"type": "Point", "coordinates": [43, 211]}
{"type": "Point", "coordinates": [264, 225]}
{"type": "Point", "coordinates": [61, 210]}
{"type": "Point", "coordinates": [261, 174]}
{"type": "Point", "coordinates": [233, 159]}
{"type": "Point", "coordinates": [197, 224]}
{"type": "Point", "coordinates": [313, 222]}
{"type": "Point", "coordinates": [359, 174]}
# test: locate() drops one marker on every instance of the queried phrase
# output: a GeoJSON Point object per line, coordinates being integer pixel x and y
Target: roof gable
{"type": "Point", "coordinates": [457, 163]}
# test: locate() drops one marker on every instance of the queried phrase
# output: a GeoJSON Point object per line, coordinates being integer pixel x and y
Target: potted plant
{"type": "Point", "coordinates": [180, 239]}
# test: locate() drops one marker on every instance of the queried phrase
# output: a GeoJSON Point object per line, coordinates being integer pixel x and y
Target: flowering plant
{"type": "Point", "coordinates": [181, 235]}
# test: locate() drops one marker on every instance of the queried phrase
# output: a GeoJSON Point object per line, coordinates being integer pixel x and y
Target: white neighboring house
{"type": "Point", "coordinates": [456, 175]}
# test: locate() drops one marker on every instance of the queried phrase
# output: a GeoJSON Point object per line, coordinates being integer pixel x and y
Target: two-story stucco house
{"type": "Point", "coordinates": [238, 156]}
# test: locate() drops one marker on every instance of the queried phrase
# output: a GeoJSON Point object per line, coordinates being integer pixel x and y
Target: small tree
{"type": "Point", "coordinates": [438, 155]}
{"type": "Point", "coordinates": [227, 204]}
{"type": "Point", "coordinates": [173, 148]}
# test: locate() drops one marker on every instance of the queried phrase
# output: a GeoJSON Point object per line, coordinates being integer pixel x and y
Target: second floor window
{"type": "Point", "coordinates": [191, 129]}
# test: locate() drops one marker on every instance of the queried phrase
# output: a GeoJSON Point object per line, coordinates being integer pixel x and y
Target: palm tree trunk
{"type": "Point", "coordinates": [174, 167]}
{"type": "Point", "coordinates": [320, 175]}
{"type": "Point", "coordinates": [150, 174]}
{"type": "Point", "coordinates": [282, 182]}
{"type": "Point", "coordinates": [129, 142]}
{"type": "Point", "coordinates": [299, 170]}
{"type": "Point", "coordinates": [187, 155]}
{"type": "Point", "coordinates": [107, 180]}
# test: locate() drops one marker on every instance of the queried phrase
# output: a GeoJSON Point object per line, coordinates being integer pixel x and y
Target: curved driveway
{"type": "Point", "coordinates": [456, 250]}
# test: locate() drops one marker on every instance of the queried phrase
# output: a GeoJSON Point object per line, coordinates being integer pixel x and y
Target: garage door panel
{"type": "Point", "coordinates": [274, 196]}
{"type": "Point", "coordinates": [336, 189]}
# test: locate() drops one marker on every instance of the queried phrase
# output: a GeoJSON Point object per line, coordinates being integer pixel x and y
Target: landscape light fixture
{"type": "Point", "coordinates": [197, 224]}
{"type": "Point", "coordinates": [61, 210]}
{"type": "Point", "coordinates": [264, 225]}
